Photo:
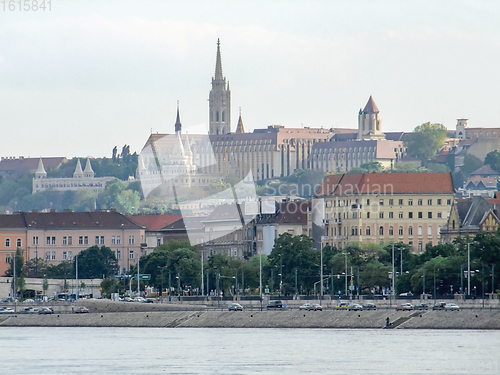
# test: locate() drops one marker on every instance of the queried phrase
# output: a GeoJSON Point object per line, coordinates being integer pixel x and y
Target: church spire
{"type": "Point", "coordinates": [178, 125]}
{"type": "Point", "coordinates": [40, 172]}
{"type": "Point", "coordinates": [218, 64]}
{"type": "Point", "coordinates": [78, 173]}
{"type": "Point", "coordinates": [240, 128]}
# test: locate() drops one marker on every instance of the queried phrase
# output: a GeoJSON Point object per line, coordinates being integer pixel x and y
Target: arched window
{"type": "Point", "coordinates": [400, 231]}
{"type": "Point", "coordinates": [352, 231]}
{"type": "Point", "coordinates": [7, 242]}
{"type": "Point", "coordinates": [429, 230]}
{"type": "Point", "coordinates": [222, 116]}
{"type": "Point", "coordinates": [217, 116]}
{"type": "Point", "coordinates": [410, 230]}
{"type": "Point", "coordinates": [420, 230]}
{"type": "Point", "coordinates": [368, 230]}
{"type": "Point", "coordinates": [391, 231]}
{"type": "Point", "coordinates": [19, 243]}
{"type": "Point", "coordinates": [381, 230]}
{"type": "Point", "coordinates": [439, 230]}
{"type": "Point", "coordinates": [217, 131]}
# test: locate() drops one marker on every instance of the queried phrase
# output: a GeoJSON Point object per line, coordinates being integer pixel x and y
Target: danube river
{"type": "Point", "coordinates": [99, 351]}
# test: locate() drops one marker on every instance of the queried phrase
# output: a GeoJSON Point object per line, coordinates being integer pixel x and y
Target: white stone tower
{"type": "Point", "coordinates": [369, 123]}
{"type": "Point", "coordinates": [461, 128]}
{"type": "Point", "coordinates": [219, 100]}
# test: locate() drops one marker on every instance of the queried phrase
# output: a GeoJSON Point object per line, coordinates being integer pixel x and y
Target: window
{"type": "Point", "coordinates": [131, 254]}
{"type": "Point", "coordinates": [439, 202]}
{"type": "Point", "coordinates": [410, 245]}
{"type": "Point", "coordinates": [7, 242]}
{"type": "Point", "coordinates": [47, 256]}
{"type": "Point", "coordinates": [410, 215]}
{"type": "Point", "coordinates": [400, 231]}
{"type": "Point", "coordinates": [102, 240]}
{"type": "Point", "coordinates": [420, 215]}
{"type": "Point", "coordinates": [53, 255]}
{"type": "Point", "coordinates": [448, 202]}
{"type": "Point", "coordinates": [70, 255]}
{"type": "Point", "coordinates": [35, 240]}
{"type": "Point", "coordinates": [420, 230]}
{"type": "Point", "coordinates": [419, 202]}
{"type": "Point", "coordinates": [400, 215]}
{"type": "Point", "coordinates": [391, 202]}
{"type": "Point", "coordinates": [420, 246]}
{"type": "Point", "coordinates": [381, 215]}
{"type": "Point", "coordinates": [131, 240]}
{"type": "Point", "coordinates": [86, 240]}
{"type": "Point", "coordinates": [48, 240]}
{"type": "Point", "coordinates": [368, 230]}
{"type": "Point", "coordinates": [8, 259]}
{"type": "Point", "coordinates": [381, 231]}
{"type": "Point", "coordinates": [400, 202]}
{"type": "Point", "coordinates": [367, 215]}
{"type": "Point", "coordinates": [391, 231]}
{"type": "Point", "coordinates": [391, 215]}
{"type": "Point", "coordinates": [429, 202]}
{"type": "Point", "coordinates": [118, 254]}
{"type": "Point", "coordinates": [64, 255]}
{"type": "Point", "coordinates": [429, 215]}
{"type": "Point", "coordinates": [65, 240]}
{"type": "Point", "coordinates": [429, 230]}
{"type": "Point", "coordinates": [70, 240]}
{"type": "Point", "coordinates": [381, 202]}
{"type": "Point", "coordinates": [439, 215]}
{"type": "Point", "coordinates": [19, 243]}
{"type": "Point", "coordinates": [118, 240]}
{"type": "Point", "coordinates": [96, 242]}
{"type": "Point", "coordinates": [113, 240]}
{"type": "Point", "coordinates": [158, 241]}
{"type": "Point", "coordinates": [367, 202]}
{"type": "Point", "coordinates": [80, 240]}
{"type": "Point", "coordinates": [354, 215]}
{"type": "Point", "coordinates": [410, 202]}
{"type": "Point", "coordinates": [352, 231]}
{"type": "Point", "coordinates": [410, 231]}
{"type": "Point", "coordinates": [53, 240]}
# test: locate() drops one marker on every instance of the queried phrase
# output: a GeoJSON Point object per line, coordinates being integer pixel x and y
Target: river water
{"type": "Point", "coordinates": [48, 350]}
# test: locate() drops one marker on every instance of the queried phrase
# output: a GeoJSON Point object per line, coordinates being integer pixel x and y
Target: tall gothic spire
{"type": "Point", "coordinates": [240, 128]}
{"type": "Point", "coordinates": [178, 125]}
{"type": "Point", "coordinates": [218, 64]}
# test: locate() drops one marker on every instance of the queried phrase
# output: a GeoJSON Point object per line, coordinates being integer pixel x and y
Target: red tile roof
{"type": "Point", "coordinates": [389, 183]}
{"type": "Point", "coordinates": [154, 222]}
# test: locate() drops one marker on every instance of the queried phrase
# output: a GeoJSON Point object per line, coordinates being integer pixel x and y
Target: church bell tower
{"type": "Point", "coordinates": [219, 100]}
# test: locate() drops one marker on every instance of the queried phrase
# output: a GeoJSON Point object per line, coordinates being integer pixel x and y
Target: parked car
{"type": "Point", "coordinates": [406, 294]}
{"type": "Point", "coordinates": [421, 306]}
{"type": "Point", "coordinates": [139, 299]}
{"type": "Point", "coordinates": [45, 311]}
{"type": "Point", "coordinates": [29, 300]}
{"type": "Point", "coordinates": [451, 306]}
{"type": "Point", "coordinates": [81, 310]}
{"type": "Point", "coordinates": [404, 307]}
{"type": "Point", "coordinates": [6, 310]}
{"type": "Point", "coordinates": [317, 307]}
{"type": "Point", "coordinates": [355, 307]}
{"type": "Point", "coordinates": [369, 306]}
{"type": "Point", "coordinates": [149, 300]}
{"type": "Point", "coordinates": [343, 306]}
{"type": "Point", "coordinates": [7, 299]}
{"type": "Point", "coordinates": [235, 307]}
{"type": "Point", "coordinates": [274, 305]}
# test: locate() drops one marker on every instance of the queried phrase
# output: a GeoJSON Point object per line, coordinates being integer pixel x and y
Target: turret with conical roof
{"type": "Point", "coordinates": [219, 100]}
{"type": "Point", "coordinates": [40, 172]}
{"type": "Point", "coordinates": [78, 173]}
{"type": "Point", "coordinates": [178, 125]}
{"type": "Point", "coordinates": [369, 123]}
{"type": "Point", "coordinates": [240, 128]}
{"type": "Point", "coordinates": [88, 172]}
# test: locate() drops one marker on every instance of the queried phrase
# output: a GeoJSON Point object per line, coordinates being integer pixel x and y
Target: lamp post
{"type": "Point", "coordinates": [202, 283]}
{"type": "Point", "coordinates": [345, 273]}
{"type": "Point", "coordinates": [468, 268]}
{"type": "Point", "coordinates": [76, 274]}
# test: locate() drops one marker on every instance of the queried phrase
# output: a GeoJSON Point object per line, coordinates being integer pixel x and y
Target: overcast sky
{"type": "Point", "coordinates": [89, 75]}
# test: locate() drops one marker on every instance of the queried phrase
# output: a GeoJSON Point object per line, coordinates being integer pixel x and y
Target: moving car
{"type": "Point", "coordinates": [369, 306]}
{"type": "Point", "coordinates": [343, 305]}
{"type": "Point", "coordinates": [6, 310]}
{"type": "Point", "coordinates": [316, 308]}
{"type": "Point", "coordinates": [404, 307]}
{"type": "Point", "coordinates": [235, 307]}
{"type": "Point", "coordinates": [306, 306]}
{"type": "Point", "coordinates": [421, 306]}
{"type": "Point", "coordinates": [439, 306]}
{"type": "Point", "coordinates": [355, 307]}
{"type": "Point", "coordinates": [274, 305]}
{"type": "Point", "coordinates": [81, 310]}
{"type": "Point", "coordinates": [451, 306]}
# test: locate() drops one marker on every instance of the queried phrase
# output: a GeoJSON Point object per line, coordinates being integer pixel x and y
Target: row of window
{"type": "Point", "coordinates": [67, 255]}
{"type": "Point", "coordinates": [354, 231]}
{"type": "Point", "coordinates": [356, 215]}
{"type": "Point", "coordinates": [19, 242]}
{"type": "Point", "coordinates": [82, 240]}
{"type": "Point", "coordinates": [390, 201]}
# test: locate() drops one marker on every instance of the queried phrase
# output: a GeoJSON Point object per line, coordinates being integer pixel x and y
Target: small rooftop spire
{"type": "Point", "coordinates": [40, 172]}
{"type": "Point", "coordinates": [178, 125]}
{"type": "Point", "coordinates": [240, 128]}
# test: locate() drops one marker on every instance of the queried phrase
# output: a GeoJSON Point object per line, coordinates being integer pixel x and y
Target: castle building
{"type": "Point", "coordinates": [82, 179]}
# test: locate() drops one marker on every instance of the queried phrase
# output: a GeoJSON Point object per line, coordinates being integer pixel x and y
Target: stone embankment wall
{"type": "Point", "coordinates": [105, 314]}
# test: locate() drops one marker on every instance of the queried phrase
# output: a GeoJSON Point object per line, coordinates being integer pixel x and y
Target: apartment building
{"type": "Point", "coordinates": [382, 208]}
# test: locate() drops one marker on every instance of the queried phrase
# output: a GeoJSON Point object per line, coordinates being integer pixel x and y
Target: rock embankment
{"type": "Point", "coordinates": [466, 319]}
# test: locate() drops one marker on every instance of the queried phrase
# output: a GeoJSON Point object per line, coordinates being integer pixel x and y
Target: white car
{"type": "Point", "coordinates": [451, 306]}
{"type": "Point", "coordinates": [7, 310]}
{"type": "Point", "coordinates": [139, 299]}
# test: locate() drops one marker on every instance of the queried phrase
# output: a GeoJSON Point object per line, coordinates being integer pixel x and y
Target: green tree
{"type": "Point", "coordinates": [96, 262]}
{"type": "Point", "coordinates": [127, 202]}
{"type": "Point", "coordinates": [425, 141]}
{"type": "Point", "coordinates": [493, 159]}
